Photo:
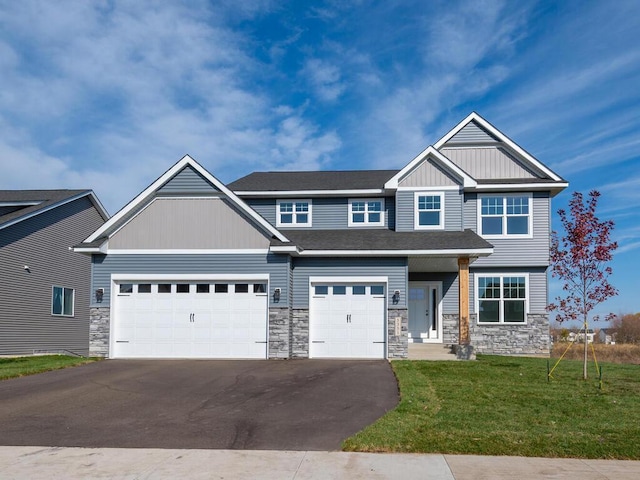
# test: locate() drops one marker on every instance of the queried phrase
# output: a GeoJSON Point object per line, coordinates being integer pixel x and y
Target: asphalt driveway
{"type": "Point", "coordinates": [244, 404]}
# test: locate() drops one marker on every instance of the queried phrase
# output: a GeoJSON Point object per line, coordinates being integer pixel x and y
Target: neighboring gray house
{"type": "Point", "coordinates": [452, 249]}
{"type": "Point", "coordinates": [44, 285]}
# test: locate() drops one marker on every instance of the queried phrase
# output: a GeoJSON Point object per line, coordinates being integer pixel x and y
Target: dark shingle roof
{"type": "Point", "coordinates": [383, 239]}
{"type": "Point", "coordinates": [319, 180]}
{"type": "Point", "coordinates": [44, 199]}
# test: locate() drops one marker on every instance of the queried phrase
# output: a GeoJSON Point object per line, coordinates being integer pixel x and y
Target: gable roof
{"type": "Point", "coordinates": [315, 181]}
{"type": "Point", "coordinates": [148, 194]}
{"type": "Point", "coordinates": [474, 117]}
{"type": "Point", "coordinates": [431, 152]}
{"type": "Point", "coordinates": [29, 203]}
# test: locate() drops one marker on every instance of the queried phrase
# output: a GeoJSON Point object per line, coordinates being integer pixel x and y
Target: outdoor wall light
{"type": "Point", "coordinates": [99, 295]}
{"type": "Point", "coordinates": [276, 294]}
{"type": "Point", "coordinates": [27, 269]}
{"type": "Point", "coordinates": [396, 296]}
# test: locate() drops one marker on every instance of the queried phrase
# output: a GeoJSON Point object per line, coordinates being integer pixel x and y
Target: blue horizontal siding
{"type": "Point", "coordinates": [450, 293]}
{"type": "Point", "coordinates": [395, 269]}
{"type": "Point", "coordinates": [277, 266]}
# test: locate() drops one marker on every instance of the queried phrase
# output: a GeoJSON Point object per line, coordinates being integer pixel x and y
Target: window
{"type": "Point", "coordinates": [501, 298]}
{"type": "Point", "coordinates": [221, 288]}
{"type": "Point", "coordinates": [259, 288]}
{"type": "Point", "coordinates": [144, 288]}
{"type": "Point", "coordinates": [293, 213]}
{"type": "Point", "coordinates": [242, 288]}
{"type": "Point", "coordinates": [377, 290]}
{"type": "Point", "coordinates": [429, 210]}
{"type": "Point", "coordinates": [501, 216]}
{"type": "Point", "coordinates": [202, 288]}
{"type": "Point", "coordinates": [62, 301]}
{"type": "Point", "coordinates": [321, 289]}
{"type": "Point", "coordinates": [126, 288]}
{"type": "Point", "coordinates": [339, 290]}
{"type": "Point", "coordinates": [182, 288]}
{"type": "Point", "coordinates": [164, 288]}
{"type": "Point", "coordinates": [366, 212]}
{"type": "Point", "coordinates": [359, 290]}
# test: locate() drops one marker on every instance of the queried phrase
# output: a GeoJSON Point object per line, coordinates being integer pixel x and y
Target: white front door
{"type": "Point", "coordinates": [425, 318]}
{"type": "Point", "coordinates": [347, 320]}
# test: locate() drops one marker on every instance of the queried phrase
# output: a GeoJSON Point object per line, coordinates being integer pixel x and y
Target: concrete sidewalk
{"type": "Point", "coordinates": [119, 463]}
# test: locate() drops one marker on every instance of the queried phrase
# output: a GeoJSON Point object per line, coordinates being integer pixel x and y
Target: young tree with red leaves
{"type": "Point", "coordinates": [580, 259]}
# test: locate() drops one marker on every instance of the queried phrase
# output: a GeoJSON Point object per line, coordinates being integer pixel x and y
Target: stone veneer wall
{"type": "Point", "coordinates": [450, 328]}
{"type": "Point", "coordinates": [99, 321]}
{"type": "Point", "coordinates": [529, 339]}
{"type": "Point", "coordinates": [398, 345]}
{"type": "Point", "coordinates": [299, 339]}
{"type": "Point", "coordinates": [279, 333]}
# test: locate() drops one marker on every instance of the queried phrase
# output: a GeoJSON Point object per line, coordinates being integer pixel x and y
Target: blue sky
{"type": "Point", "coordinates": [108, 94]}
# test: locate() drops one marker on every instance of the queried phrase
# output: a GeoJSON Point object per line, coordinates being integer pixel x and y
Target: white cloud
{"type": "Point", "coordinates": [325, 79]}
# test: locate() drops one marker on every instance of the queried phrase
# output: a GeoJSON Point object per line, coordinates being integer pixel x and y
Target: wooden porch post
{"type": "Point", "coordinates": [463, 282]}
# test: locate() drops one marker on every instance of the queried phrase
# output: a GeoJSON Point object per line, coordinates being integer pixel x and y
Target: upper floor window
{"type": "Point", "coordinates": [294, 213]}
{"type": "Point", "coordinates": [501, 298]}
{"type": "Point", "coordinates": [366, 212]}
{"type": "Point", "coordinates": [429, 210]}
{"type": "Point", "coordinates": [62, 300]}
{"type": "Point", "coordinates": [505, 215]}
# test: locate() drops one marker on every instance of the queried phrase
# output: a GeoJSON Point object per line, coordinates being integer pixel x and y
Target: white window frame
{"type": "Point", "coordinates": [504, 215]}
{"type": "Point", "coordinates": [416, 211]}
{"type": "Point", "coordinates": [501, 300]}
{"type": "Point", "coordinates": [295, 223]}
{"type": "Point", "coordinates": [366, 212]}
{"type": "Point", "coordinates": [73, 301]}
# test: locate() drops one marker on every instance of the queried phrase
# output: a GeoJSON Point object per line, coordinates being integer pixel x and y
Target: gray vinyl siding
{"type": "Point", "coordinates": [405, 210]}
{"type": "Point", "coordinates": [182, 223]}
{"type": "Point", "coordinates": [450, 288]}
{"type": "Point", "coordinates": [488, 163]}
{"type": "Point", "coordinates": [42, 243]}
{"type": "Point", "coordinates": [472, 133]}
{"type": "Point", "coordinates": [187, 181]}
{"type": "Point", "coordinates": [395, 269]}
{"type": "Point", "coordinates": [514, 252]}
{"type": "Point", "coordinates": [537, 285]}
{"type": "Point", "coordinates": [233, 264]}
{"type": "Point", "coordinates": [428, 174]}
{"type": "Point", "coordinates": [327, 213]}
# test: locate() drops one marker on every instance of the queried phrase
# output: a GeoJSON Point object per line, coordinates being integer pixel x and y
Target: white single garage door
{"type": "Point", "coordinates": [190, 319]}
{"type": "Point", "coordinates": [347, 320]}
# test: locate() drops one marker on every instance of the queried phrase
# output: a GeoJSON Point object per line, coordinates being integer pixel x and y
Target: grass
{"type": "Point", "coordinates": [619, 353]}
{"type": "Point", "coordinates": [21, 366]}
{"type": "Point", "coordinates": [504, 406]}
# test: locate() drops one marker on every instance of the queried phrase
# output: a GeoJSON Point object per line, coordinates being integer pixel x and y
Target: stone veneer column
{"type": "Point", "coordinates": [99, 322]}
{"type": "Point", "coordinates": [398, 345]}
{"type": "Point", "coordinates": [299, 333]}
{"type": "Point", "coordinates": [279, 333]}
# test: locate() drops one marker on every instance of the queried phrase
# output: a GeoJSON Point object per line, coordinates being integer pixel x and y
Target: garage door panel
{"type": "Point", "coordinates": [195, 320]}
{"type": "Point", "coordinates": [349, 321]}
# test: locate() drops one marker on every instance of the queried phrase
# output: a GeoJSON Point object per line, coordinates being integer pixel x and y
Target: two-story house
{"type": "Point", "coordinates": [453, 248]}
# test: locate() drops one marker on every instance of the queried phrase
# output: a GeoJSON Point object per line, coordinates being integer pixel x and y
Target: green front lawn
{"type": "Point", "coordinates": [21, 366]}
{"type": "Point", "coordinates": [504, 406]}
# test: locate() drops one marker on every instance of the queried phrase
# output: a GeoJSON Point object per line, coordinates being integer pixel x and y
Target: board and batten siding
{"type": "Point", "coordinates": [405, 210]}
{"type": "Point", "coordinates": [514, 252]}
{"type": "Point", "coordinates": [183, 223]}
{"type": "Point", "coordinates": [42, 243]}
{"type": "Point", "coordinates": [187, 181]}
{"type": "Point", "coordinates": [276, 266]}
{"type": "Point", "coordinates": [327, 213]}
{"type": "Point", "coordinates": [538, 300]}
{"type": "Point", "coordinates": [488, 163]}
{"type": "Point", "coordinates": [395, 269]}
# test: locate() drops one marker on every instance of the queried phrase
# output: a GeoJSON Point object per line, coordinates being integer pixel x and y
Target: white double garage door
{"type": "Point", "coordinates": [228, 318]}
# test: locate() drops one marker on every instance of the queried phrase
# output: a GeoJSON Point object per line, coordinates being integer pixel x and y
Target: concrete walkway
{"type": "Point", "coordinates": [119, 463]}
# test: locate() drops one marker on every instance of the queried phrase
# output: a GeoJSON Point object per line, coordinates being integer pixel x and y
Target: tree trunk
{"type": "Point", "coordinates": [586, 351]}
